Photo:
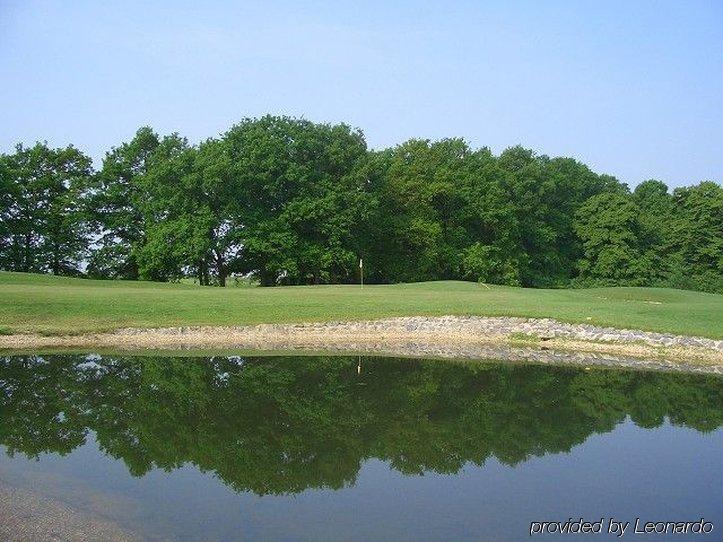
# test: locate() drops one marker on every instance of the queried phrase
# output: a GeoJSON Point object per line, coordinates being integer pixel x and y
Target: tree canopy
{"type": "Point", "coordinates": [43, 225]}
{"type": "Point", "coordinates": [289, 201]}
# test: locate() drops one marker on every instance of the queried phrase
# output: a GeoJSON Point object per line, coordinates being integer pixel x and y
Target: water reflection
{"type": "Point", "coordinates": [284, 424]}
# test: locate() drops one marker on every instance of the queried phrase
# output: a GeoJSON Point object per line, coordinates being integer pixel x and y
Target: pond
{"type": "Point", "coordinates": [350, 448]}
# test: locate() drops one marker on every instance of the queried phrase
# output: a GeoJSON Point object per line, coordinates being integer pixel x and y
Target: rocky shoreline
{"type": "Point", "coordinates": [465, 337]}
{"type": "Point", "coordinates": [30, 516]}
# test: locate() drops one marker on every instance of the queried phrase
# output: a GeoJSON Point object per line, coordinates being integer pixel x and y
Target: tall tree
{"type": "Point", "coordinates": [305, 194]}
{"type": "Point", "coordinates": [609, 226]}
{"type": "Point", "coordinates": [8, 194]}
{"type": "Point", "coordinates": [419, 204]}
{"type": "Point", "coordinates": [115, 207]}
{"type": "Point", "coordinates": [43, 227]}
{"type": "Point", "coordinates": [656, 216]}
{"type": "Point", "coordinates": [546, 195]}
{"type": "Point", "coordinates": [492, 234]}
{"type": "Point", "coordinates": [293, 202]}
{"type": "Point", "coordinates": [192, 209]}
{"type": "Point", "coordinates": [698, 236]}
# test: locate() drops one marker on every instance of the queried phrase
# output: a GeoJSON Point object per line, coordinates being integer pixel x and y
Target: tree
{"type": "Point", "coordinates": [66, 235]}
{"type": "Point", "coordinates": [485, 263]}
{"type": "Point", "coordinates": [420, 236]}
{"type": "Point", "coordinates": [8, 194]}
{"type": "Point", "coordinates": [697, 233]}
{"type": "Point", "coordinates": [656, 215]}
{"type": "Point", "coordinates": [609, 226]}
{"type": "Point", "coordinates": [488, 217]}
{"type": "Point", "coordinates": [43, 227]}
{"type": "Point", "coordinates": [192, 211]}
{"type": "Point", "coordinates": [305, 194]}
{"type": "Point", "coordinates": [546, 194]}
{"type": "Point", "coordinates": [289, 201]}
{"type": "Point", "coordinates": [114, 207]}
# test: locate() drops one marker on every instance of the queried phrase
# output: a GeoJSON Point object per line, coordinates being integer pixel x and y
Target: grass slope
{"type": "Point", "coordinates": [47, 304]}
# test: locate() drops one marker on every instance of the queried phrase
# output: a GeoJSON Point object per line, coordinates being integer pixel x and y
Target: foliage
{"type": "Point", "coordinates": [287, 201]}
{"type": "Point", "coordinates": [302, 197]}
{"type": "Point", "coordinates": [653, 238]}
{"type": "Point", "coordinates": [114, 205]}
{"type": "Point", "coordinates": [697, 236]}
{"type": "Point", "coordinates": [43, 227]}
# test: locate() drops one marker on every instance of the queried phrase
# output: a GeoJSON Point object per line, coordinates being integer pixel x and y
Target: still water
{"type": "Point", "coordinates": [348, 448]}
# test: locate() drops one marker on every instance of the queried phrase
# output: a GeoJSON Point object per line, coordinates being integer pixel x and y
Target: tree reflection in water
{"type": "Point", "coordinates": [276, 425]}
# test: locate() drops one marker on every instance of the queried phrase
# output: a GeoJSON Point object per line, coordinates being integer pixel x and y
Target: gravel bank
{"type": "Point", "coordinates": [446, 336]}
{"type": "Point", "coordinates": [26, 516]}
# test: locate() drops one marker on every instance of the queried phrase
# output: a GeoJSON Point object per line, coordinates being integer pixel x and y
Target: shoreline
{"type": "Point", "coordinates": [31, 515]}
{"type": "Point", "coordinates": [463, 337]}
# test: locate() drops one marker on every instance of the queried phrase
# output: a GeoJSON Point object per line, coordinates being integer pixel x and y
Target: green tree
{"type": "Point", "coordinates": [609, 226]}
{"type": "Point", "coordinates": [304, 196]}
{"type": "Point", "coordinates": [114, 207]}
{"type": "Point", "coordinates": [192, 211]}
{"type": "Point", "coordinates": [8, 195]}
{"type": "Point", "coordinates": [656, 215]}
{"type": "Point", "coordinates": [419, 208]}
{"type": "Point", "coordinates": [43, 227]}
{"type": "Point", "coordinates": [294, 202]}
{"type": "Point", "coordinates": [492, 247]}
{"type": "Point", "coordinates": [546, 194]}
{"type": "Point", "coordinates": [697, 233]}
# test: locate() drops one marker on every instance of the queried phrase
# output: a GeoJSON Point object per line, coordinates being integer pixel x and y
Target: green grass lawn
{"type": "Point", "coordinates": [47, 304]}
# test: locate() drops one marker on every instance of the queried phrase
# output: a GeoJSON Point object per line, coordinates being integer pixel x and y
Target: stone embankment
{"type": "Point", "coordinates": [504, 338]}
{"type": "Point", "coordinates": [481, 327]}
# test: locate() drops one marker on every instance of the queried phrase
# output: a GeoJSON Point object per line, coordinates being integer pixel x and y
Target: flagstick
{"type": "Point", "coordinates": [361, 272]}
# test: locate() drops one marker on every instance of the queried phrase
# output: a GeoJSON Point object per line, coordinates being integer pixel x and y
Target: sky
{"type": "Point", "coordinates": [632, 89]}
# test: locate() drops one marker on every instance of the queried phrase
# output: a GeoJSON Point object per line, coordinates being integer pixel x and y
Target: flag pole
{"type": "Point", "coordinates": [361, 272]}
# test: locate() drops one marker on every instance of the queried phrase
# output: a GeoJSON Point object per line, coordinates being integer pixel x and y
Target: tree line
{"type": "Point", "coordinates": [289, 201]}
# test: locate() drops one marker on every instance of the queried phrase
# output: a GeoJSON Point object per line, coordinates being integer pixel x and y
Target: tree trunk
{"type": "Point", "coordinates": [26, 263]}
{"type": "Point", "coordinates": [266, 278]}
{"type": "Point", "coordinates": [56, 261]}
{"type": "Point", "coordinates": [202, 273]}
{"type": "Point", "coordinates": [220, 269]}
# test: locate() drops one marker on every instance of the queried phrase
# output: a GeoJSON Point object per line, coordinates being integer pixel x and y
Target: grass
{"type": "Point", "coordinates": [59, 305]}
{"type": "Point", "coordinates": [519, 336]}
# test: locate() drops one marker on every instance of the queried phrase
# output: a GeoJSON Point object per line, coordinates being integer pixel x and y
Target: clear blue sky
{"type": "Point", "coordinates": [631, 88]}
